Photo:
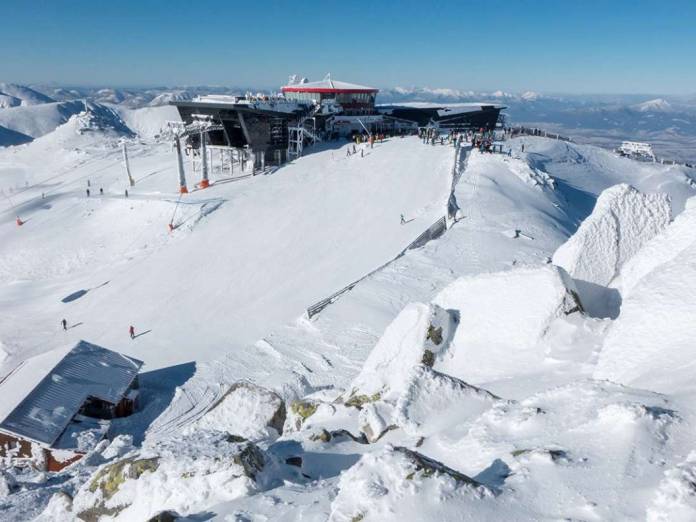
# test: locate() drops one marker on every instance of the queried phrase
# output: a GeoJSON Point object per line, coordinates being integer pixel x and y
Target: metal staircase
{"type": "Point", "coordinates": [304, 129]}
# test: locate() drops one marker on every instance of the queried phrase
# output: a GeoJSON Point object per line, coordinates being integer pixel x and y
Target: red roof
{"type": "Point", "coordinates": [328, 86]}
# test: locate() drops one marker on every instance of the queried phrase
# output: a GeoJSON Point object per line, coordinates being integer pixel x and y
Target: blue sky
{"type": "Point", "coordinates": [581, 46]}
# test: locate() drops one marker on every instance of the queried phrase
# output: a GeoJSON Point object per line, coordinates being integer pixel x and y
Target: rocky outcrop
{"type": "Point", "coordinates": [247, 410]}
{"type": "Point", "coordinates": [381, 480]}
{"type": "Point", "coordinates": [182, 474]}
{"type": "Point", "coordinates": [622, 221]}
{"type": "Point", "coordinates": [420, 334]}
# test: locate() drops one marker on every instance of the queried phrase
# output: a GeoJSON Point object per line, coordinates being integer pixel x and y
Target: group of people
{"type": "Point", "coordinates": [131, 328]}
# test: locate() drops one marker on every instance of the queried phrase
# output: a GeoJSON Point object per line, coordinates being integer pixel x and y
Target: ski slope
{"type": "Point", "coordinates": [220, 300]}
{"type": "Point", "coordinates": [250, 255]}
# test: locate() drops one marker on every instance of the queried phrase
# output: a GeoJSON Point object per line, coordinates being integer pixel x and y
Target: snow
{"type": "Point", "coordinates": [20, 380]}
{"type": "Point", "coordinates": [326, 221]}
{"type": "Point", "coordinates": [504, 418]}
{"type": "Point", "coordinates": [622, 221]}
{"type": "Point", "coordinates": [9, 101]}
{"type": "Point", "coordinates": [650, 345]}
{"type": "Point", "coordinates": [62, 381]}
{"type": "Point", "coordinates": [391, 485]}
{"type": "Point", "coordinates": [247, 411]}
{"type": "Point", "coordinates": [9, 137]}
{"type": "Point", "coordinates": [149, 122]}
{"type": "Point", "coordinates": [656, 105]}
{"type": "Point", "coordinates": [675, 500]}
{"type": "Point", "coordinates": [26, 95]}
{"type": "Point", "coordinates": [502, 319]}
{"type": "Point", "coordinates": [402, 347]}
{"type": "Point", "coordinates": [38, 120]}
{"type": "Point", "coordinates": [434, 401]}
{"type": "Point", "coordinates": [183, 475]}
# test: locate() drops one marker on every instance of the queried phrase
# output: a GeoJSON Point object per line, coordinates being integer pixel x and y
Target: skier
{"type": "Point", "coordinates": [87, 192]}
{"type": "Point", "coordinates": [64, 323]}
{"type": "Point", "coordinates": [131, 331]}
{"type": "Point", "coordinates": [403, 221]}
{"type": "Point", "coordinates": [362, 153]}
{"type": "Point", "coordinates": [101, 191]}
{"type": "Point", "coordinates": [126, 192]}
{"type": "Point", "coordinates": [523, 147]}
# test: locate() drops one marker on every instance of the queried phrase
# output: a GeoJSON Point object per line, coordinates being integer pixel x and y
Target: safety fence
{"type": "Point", "coordinates": [663, 161]}
{"type": "Point", "coordinates": [457, 171]}
{"type": "Point", "coordinates": [532, 131]}
{"type": "Point", "coordinates": [434, 231]}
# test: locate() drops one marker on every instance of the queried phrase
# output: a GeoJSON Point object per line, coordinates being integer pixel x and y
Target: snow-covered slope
{"type": "Point", "coordinates": [9, 137]}
{"type": "Point", "coordinates": [622, 221]}
{"type": "Point", "coordinates": [457, 380]}
{"type": "Point", "coordinates": [37, 120]}
{"type": "Point", "coordinates": [26, 95]}
{"type": "Point", "coordinates": [149, 122]}
{"type": "Point", "coordinates": [651, 345]}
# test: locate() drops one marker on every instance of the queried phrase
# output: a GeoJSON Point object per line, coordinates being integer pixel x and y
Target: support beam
{"type": "Point", "coordinates": [204, 161]}
{"type": "Point", "coordinates": [180, 166]}
{"type": "Point", "coordinates": [245, 130]}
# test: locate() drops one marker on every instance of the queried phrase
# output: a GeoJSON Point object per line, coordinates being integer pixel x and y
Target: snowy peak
{"type": "Point", "coordinates": [11, 92]}
{"type": "Point", "coordinates": [98, 117]}
{"type": "Point", "coordinates": [167, 97]}
{"type": "Point", "coordinates": [656, 105]}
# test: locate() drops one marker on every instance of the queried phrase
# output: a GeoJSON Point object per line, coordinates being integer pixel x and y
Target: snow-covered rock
{"type": "Point", "coordinates": [433, 401]}
{"type": "Point", "coordinates": [59, 507]}
{"type": "Point", "coordinates": [502, 318]}
{"type": "Point", "coordinates": [246, 410]}
{"type": "Point", "coordinates": [622, 221]}
{"type": "Point", "coordinates": [675, 499]}
{"type": "Point", "coordinates": [183, 474]}
{"type": "Point", "coordinates": [664, 247]}
{"type": "Point", "coordinates": [420, 334]}
{"type": "Point", "coordinates": [651, 344]}
{"type": "Point", "coordinates": [396, 482]}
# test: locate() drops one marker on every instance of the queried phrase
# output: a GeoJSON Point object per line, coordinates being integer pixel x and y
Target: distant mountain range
{"type": "Point", "coordinates": [669, 122]}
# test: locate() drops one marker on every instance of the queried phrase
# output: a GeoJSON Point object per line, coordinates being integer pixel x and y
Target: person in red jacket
{"type": "Point", "coordinates": [131, 331]}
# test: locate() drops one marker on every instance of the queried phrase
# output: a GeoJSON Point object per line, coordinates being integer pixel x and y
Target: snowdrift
{"type": "Point", "coordinates": [622, 221]}
{"type": "Point", "coordinates": [651, 343]}
{"type": "Point", "coordinates": [502, 318]}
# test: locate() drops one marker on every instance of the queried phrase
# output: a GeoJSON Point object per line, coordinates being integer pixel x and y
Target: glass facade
{"type": "Point", "coordinates": [353, 103]}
